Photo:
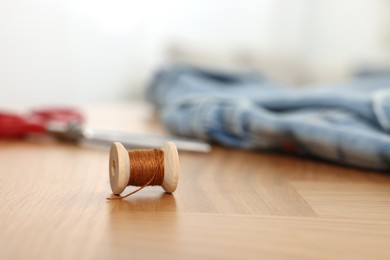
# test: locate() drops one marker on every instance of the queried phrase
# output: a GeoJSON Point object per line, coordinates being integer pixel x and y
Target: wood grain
{"type": "Point", "coordinates": [230, 204]}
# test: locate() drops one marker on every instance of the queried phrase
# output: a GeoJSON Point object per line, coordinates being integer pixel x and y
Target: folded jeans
{"type": "Point", "coordinates": [346, 123]}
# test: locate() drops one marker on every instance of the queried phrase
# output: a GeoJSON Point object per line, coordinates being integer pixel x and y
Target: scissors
{"type": "Point", "coordinates": [67, 124]}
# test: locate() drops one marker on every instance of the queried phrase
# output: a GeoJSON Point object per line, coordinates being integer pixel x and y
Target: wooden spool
{"type": "Point", "coordinates": [120, 167]}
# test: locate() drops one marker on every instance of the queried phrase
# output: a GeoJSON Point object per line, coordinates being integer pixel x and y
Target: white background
{"type": "Point", "coordinates": [83, 51]}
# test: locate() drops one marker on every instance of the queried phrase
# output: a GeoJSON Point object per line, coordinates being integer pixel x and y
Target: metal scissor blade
{"type": "Point", "coordinates": [134, 141]}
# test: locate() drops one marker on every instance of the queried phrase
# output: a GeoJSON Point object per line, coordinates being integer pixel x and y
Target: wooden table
{"type": "Point", "coordinates": [230, 204]}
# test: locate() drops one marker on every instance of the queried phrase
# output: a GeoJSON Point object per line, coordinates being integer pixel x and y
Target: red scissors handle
{"type": "Point", "coordinates": [58, 114]}
{"type": "Point", "coordinates": [14, 125]}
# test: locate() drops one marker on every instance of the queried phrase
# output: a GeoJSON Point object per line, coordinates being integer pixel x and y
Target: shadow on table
{"type": "Point", "coordinates": [139, 221]}
{"type": "Point", "coordinates": [151, 200]}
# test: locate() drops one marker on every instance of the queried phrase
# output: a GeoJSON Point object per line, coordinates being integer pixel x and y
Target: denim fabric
{"type": "Point", "coordinates": [347, 123]}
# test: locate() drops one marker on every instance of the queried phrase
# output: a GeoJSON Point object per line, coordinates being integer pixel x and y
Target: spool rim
{"type": "Point", "coordinates": [171, 167]}
{"type": "Point", "coordinates": [119, 168]}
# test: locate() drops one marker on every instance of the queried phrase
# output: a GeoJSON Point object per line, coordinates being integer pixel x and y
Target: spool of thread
{"type": "Point", "coordinates": [143, 168]}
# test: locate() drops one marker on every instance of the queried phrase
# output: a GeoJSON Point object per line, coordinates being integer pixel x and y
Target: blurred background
{"type": "Point", "coordinates": [87, 52]}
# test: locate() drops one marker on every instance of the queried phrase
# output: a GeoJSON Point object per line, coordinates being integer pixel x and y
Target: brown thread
{"type": "Point", "coordinates": [146, 169]}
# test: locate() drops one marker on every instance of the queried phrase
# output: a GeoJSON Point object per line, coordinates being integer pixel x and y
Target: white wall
{"type": "Point", "coordinates": [343, 34]}
{"type": "Point", "coordinates": [84, 51]}
{"type": "Point", "coordinates": [58, 51]}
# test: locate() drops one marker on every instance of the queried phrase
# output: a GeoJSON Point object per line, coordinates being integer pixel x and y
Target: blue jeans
{"type": "Point", "coordinates": [348, 123]}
